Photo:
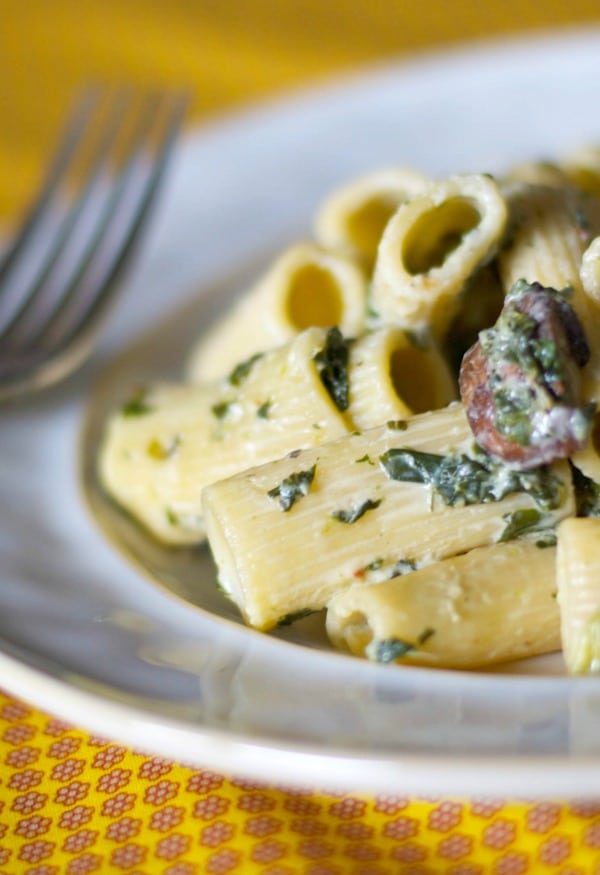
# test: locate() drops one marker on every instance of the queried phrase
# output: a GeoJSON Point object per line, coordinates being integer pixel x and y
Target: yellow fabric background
{"type": "Point", "coordinates": [229, 51]}
{"type": "Point", "coordinates": [57, 782]}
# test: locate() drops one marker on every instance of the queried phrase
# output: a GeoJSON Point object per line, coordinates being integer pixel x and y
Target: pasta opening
{"type": "Point", "coordinates": [366, 224]}
{"type": "Point", "coordinates": [415, 379]}
{"type": "Point", "coordinates": [356, 632]}
{"type": "Point", "coordinates": [314, 298]}
{"type": "Point", "coordinates": [437, 233]}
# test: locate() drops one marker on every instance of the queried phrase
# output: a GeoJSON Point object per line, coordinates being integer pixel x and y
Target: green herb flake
{"type": "Point", "coordinates": [425, 635]}
{"type": "Point", "coordinates": [172, 517]}
{"type": "Point", "coordinates": [521, 522]}
{"type": "Point", "coordinates": [587, 494]}
{"type": "Point", "coordinates": [366, 458]}
{"type": "Point", "coordinates": [332, 365]}
{"type": "Point", "coordinates": [221, 409]}
{"type": "Point", "coordinates": [402, 566]}
{"type": "Point", "coordinates": [288, 619]}
{"type": "Point", "coordinates": [391, 649]}
{"type": "Point", "coordinates": [241, 370]}
{"type": "Point", "coordinates": [546, 539]}
{"type": "Point", "coordinates": [293, 488]}
{"type": "Point", "coordinates": [397, 424]}
{"type": "Point", "coordinates": [463, 479]}
{"type": "Point", "coordinates": [354, 513]}
{"type": "Point", "coordinates": [162, 450]}
{"type": "Point", "coordinates": [137, 405]}
{"type": "Point", "coordinates": [264, 410]}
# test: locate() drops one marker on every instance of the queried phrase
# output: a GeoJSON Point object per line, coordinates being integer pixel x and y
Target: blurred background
{"type": "Point", "coordinates": [231, 52]}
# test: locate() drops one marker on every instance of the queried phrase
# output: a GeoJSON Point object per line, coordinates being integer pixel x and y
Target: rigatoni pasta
{"type": "Point", "coordinates": [353, 217]}
{"type": "Point", "coordinates": [430, 248]}
{"type": "Point", "coordinates": [443, 616]}
{"type": "Point", "coordinates": [168, 441]}
{"type": "Point", "coordinates": [319, 445]}
{"type": "Point", "coordinates": [388, 500]}
{"type": "Point", "coordinates": [578, 582]}
{"type": "Point", "coordinates": [306, 286]}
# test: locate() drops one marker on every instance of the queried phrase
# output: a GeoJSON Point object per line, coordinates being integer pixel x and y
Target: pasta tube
{"type": "Point", "coordinates": [165, 445]}
{"type": "Point", "coordinates": [578, 581]}
{"type": "Point", "coordinates": [353, 218]}
{"type": "Point", "coordinates": [398, 496]}
{"type": "Point", "coordinates": [551, 228]}
{"type": "Point", "coordinates": [538, 173]}
{"type": "Point", "coordinates": [431, 247]}
{"type": "Point", "coordinates": [392, 377]}
{"type": "Point", "coordinates": [306, 286]}
{"type": "Point", "coordinates": [493, 604]}
{"type": "Point", "coordinates": [160, 451]}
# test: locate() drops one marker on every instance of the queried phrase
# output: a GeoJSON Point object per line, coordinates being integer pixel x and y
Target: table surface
{"type": "Point", "coordinates": [71, 802]}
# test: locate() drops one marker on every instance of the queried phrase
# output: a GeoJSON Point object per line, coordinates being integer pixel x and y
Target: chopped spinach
{"type": "Point", "coordinates": [264, 410]}
{"type": "Point", "coordinates": [587, 494]}
{"type": "Point", "coordinates": [293, 617]}
{"type": "Point", "coordinates": [460, 480]}
{"type": "Point", "coordinates": [354, 513]}
{"type": "Point", "coordinates": [241, 370]}
{"type": "Point", "coordinates": [137, 405]}
{"type": "Point", "coordinates": [332, 365]}
{"type": "Point", "coordinates": [521, 522]}
{"type": "Point", "coordinates": [390, 649]}
{"type": "Point", "coordinates": [402, 566]}
{"type": "Point", "coordinates": [221, 409]}
{"type": "Point", "coordinates": [293, 487]}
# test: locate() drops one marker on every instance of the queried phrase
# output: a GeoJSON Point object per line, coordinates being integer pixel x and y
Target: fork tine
{"type": "Point", "coordinates": [95, 278]}
{"type": "Point", "coordinates": [69, 142]}
{"type": "Point", "coordinates": [97, 161]}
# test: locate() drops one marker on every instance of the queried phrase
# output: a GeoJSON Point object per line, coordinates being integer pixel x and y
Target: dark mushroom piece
{"type": "Point", "coordinates": [520, 381]}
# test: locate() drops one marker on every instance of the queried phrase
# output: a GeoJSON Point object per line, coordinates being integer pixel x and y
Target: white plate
{"type": "Point", "coordinates": [87, 636]}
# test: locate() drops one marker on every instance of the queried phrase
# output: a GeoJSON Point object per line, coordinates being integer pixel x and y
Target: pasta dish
{"type": "Point", "coordinates": [396, 423]}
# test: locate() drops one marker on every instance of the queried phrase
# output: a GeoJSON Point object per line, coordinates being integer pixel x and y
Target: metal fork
{"type": "Point", "coordinates": [66, 262]}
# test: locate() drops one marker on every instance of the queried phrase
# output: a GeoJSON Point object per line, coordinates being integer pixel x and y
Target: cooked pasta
{"type": "Point", "coordinates": [430, 248]}
{"type": "Point", "coordinates": [168, 442]}
{"type": "Point", "coordinates": [396, 424]}
{"type": "Point", "coordinates": [307, 285]}
{"type": "Point", "coordinates": [578, 581]}
{"type": "Point", "coordinates": [492, 604]}
{"type": "Point", "coordinates": [357, 506]}
{"type": "Point", "coordinates": [353, 218]}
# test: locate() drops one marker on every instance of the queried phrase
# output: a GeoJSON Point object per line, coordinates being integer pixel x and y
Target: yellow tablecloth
{"type": "Point", "coordinates": [72, 803]}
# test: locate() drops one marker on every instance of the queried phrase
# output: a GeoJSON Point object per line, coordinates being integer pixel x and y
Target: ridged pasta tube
{"type": "Point", "coordinates": [393, 377]}
{"type": "Point", "coordinates": [550, 230]}
{"type": "Point", "coordinates": [347, 515]}
{"type": "Point", "coordinates": [578, 582]}
{"type": "Point", "coordinates": [537, 173]}
{"type": "Point", "coordinates": [159, 451]}
{"type": "Point", "coordinates": [431, 247]}
{"type": "Point", "coordinates": [353, 217]}
{"type": "Point", "coordinates": [162, 448]}
{"type": "Point", "coordinates": [493, 604]}
{"type": "Point", "coordinates": [307, 285]}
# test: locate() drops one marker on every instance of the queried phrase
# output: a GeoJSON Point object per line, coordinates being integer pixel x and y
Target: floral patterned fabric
{"type": "Point", "coordinates": [75, 803]}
